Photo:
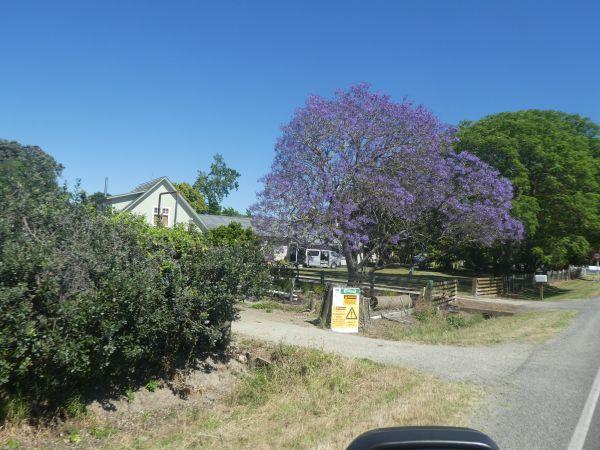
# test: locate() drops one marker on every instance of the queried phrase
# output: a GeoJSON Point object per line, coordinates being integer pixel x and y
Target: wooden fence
{"type": "Point", "coordinates": [444, 291]}
{"type": "Point", "coordinates": [437, 292]}
{"type": "Point", "coordinates": [373, 281]}
{"type": "Point", "coordinates": [488, 286]}
{"type": "Point", "coordinates": [511, 284]}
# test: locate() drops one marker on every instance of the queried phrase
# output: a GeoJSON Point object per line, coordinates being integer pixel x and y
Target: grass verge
{"type": "Point", "coordinates": [303, 398]}
{"type": "Point", "coordinates": [528, 327]}
{"type": "Point", "coordinates": [270, 305]}
{"type": "Point", "coordinates": [308, 399]}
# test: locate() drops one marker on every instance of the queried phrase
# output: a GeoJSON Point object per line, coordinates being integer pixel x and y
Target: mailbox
{"type": "Point", "coordinates": [541, 278]}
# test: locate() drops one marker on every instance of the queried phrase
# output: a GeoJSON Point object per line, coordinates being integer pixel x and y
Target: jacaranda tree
{"type": "Point", "coordinates": [369, 175]}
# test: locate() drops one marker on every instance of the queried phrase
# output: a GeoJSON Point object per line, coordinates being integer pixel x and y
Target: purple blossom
{"type": "Point", "coordinates": [365, 173]}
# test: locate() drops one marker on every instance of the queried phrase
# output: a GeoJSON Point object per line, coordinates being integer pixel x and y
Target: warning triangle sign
{"type": "Point", "coordinates": [351, 314]}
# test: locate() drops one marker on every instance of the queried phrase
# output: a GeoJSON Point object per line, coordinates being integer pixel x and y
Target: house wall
{"type": "Point", "coordinates": [121, 201]}
{"type": "Point", "coordinates": [146, 206]}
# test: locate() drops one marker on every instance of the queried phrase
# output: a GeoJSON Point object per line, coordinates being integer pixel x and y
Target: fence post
{"type": "Point", "coordinates": [292, 287]}
{"type": "Point", "coordinates": [474, 287]}
{"type": "Point", "coordinates": [372, 284]}
{"type": "Point", "coordinates": [322, 278]}
{"type": "Point", "coordinates": [430, 291]}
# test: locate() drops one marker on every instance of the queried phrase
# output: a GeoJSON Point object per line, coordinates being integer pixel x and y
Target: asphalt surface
{"type": "Point", "coordinates": [536, 393]}
{"type": "Point", "coordinates": [539, 405]}
{"type": "Point", "coordinates": [593, 438]}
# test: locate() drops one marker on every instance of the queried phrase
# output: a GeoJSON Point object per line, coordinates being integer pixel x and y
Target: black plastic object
{"type": "Point", "coordinates": [430, 438]}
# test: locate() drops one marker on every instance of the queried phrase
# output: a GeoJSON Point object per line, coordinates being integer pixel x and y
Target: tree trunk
{"type": "Point", "coordinates": [351, 264]}
{"type": "Point", "coordinates": [354, 279]}
{"type": "Point", "coordinates": [325, 313]}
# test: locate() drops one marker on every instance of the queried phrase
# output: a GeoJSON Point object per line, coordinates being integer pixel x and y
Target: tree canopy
{"type": "Point", "coordinates": [553, 161]}
{"type": "Point", "coordinates": [368, 174]}
{"type": "Point", "coordinates": [193, 196]}
{"type": "Point", "coordinates": [231, 211]}
{"type": "Point", "coordinates": [217, 184]}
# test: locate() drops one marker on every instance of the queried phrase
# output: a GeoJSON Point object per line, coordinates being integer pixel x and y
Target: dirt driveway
{"type": "Point", "coordinates": [478, 364]}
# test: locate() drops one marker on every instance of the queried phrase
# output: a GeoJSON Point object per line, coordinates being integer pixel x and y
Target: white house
{"type": "Point", "coordinates": [146, 198]}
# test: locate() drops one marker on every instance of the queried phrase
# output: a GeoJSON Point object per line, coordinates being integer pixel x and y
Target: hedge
{"type": "Point", "coordinates": [92, 299]}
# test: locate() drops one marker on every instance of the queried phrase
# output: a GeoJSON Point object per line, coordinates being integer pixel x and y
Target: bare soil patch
{"type": "Point", "coordinates": [203, 388]}
{"type": "Point", "coordinates": [286, 397]}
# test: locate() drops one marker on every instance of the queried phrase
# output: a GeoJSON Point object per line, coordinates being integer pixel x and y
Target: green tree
{"type": "Point", "coordinates": [217, 184]}
{"type": "Point", "coordinates": [228, 235]}
{"type": "Point", "coordinates": [552, 158]}
{"type": "Point", "coordinates": [230, 211]}
{"type": "Point", "coordinates": [96, 200]}
{"type": "Point", "coordinates": [193, 196]}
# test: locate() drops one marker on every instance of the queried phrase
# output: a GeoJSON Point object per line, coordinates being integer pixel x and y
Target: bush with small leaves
{"type": "Point", "coordinates": [94, 299]}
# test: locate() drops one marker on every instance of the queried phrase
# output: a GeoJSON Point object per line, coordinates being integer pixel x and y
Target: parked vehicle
{"type": "Point", "coordinates": [314, 257]}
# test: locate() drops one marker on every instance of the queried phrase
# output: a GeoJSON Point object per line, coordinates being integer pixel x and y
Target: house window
{"type": "Point", "coordinates": [164, 216]}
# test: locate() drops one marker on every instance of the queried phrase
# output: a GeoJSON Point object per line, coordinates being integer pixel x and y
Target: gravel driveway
{"type": "Point", "coordinates": [479, 364]}
{"type": "Point", "coordinates": [535, 393]}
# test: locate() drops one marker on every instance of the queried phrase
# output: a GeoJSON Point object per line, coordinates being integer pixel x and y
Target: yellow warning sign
{"type": "Point", "coordinates": [345, 310]}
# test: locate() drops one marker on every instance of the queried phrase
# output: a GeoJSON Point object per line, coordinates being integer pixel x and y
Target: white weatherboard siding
{"type": "Point", "coordinates": [119, 202]}
{"type": "Point", "coordinates": [146, 206]}
{"type": "Point", "coordinates": [144, 199]}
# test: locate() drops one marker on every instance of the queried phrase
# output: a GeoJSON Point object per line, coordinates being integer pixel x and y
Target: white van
{"type": "Point", "coordinates": [322, 258]}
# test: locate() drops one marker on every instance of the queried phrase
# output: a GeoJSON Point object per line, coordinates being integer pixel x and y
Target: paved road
{"type": "Point", "coordinates": [537, 393]}
{"type": "Point", "coordinates": [539, 406]}
{"type": "Point", "coordinates": [593, 437]}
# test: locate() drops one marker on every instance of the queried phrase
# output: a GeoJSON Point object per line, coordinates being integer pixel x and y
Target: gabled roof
{"type": "Point", "coordinates": [204, 221]}
{"type": "Point", "coordinates": [143, 187]}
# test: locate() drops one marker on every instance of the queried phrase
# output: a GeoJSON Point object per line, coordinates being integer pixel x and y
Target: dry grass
{"type": "Point", "coordinates": [303, 399]}
{"type": "Point", "coordinates": [270, 305]}
{"type": "Point", "coordinates": [529, 327]}
{"type": "Point", "coordinates": [309, 399]}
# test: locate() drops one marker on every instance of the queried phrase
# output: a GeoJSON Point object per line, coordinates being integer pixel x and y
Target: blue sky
{"type": "Point", "coordinates": [134, 90]}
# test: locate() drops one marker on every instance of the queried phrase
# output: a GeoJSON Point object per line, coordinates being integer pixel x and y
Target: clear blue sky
{"type": "Point", "coordinates": [134, 90]}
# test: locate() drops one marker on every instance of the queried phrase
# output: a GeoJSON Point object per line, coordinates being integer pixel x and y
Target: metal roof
{"type": "Point", "coordinates": [212, 221]}
{"type": "Point", "coordinates": [146, 185]}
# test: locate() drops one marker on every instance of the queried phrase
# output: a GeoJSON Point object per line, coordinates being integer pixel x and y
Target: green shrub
{"type": "Point", "coordinates": [129, 395]}
{"type": "Point", "coordinates": [283, 284]}
{"type": "Point", "coordinates": [102, 432]}
{"type": "Point", "coordinates": [92, 299]}
{"type": "Point", "coordinates": [424, 311]}
{"type": "Point", "coordinates": [14, 410]}
{"type": "Point", "coordinates": [456, 321]}
{"type": "Point", "coordinates": [75, 407]}
{"type": "Point", "coordinates": [152, 385]}
{"type": "Point", "coordinates": [74, 437]}
{"type": "Point", "coordinates": [233, 233]}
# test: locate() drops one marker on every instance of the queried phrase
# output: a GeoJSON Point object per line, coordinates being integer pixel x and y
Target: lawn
{"type": "Point", "coordinates": [565, 290]}
{"type": "Point", "coordinates": [528, 327]}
